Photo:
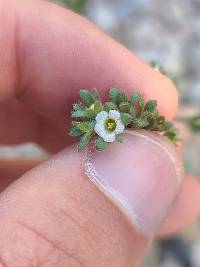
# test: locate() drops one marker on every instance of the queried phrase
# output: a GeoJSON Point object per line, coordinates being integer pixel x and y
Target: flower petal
{"type": "Point", "coordinates": [119, 127]}
{"type": "Point", "coordinates": [109, 137]}
{"type": "Point", "coordinates": [99, 129]}
{"type": "Point", "coordinates": [114, 114]}
{"type": "Point", "coordinates": [101, 116]}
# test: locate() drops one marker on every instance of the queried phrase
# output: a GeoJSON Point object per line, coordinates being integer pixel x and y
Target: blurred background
{"type": "Point", "coordinates": [166, 33]}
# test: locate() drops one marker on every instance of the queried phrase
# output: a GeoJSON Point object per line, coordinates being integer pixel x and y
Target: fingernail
{"type": "Point", "coordinates": [142, 176]}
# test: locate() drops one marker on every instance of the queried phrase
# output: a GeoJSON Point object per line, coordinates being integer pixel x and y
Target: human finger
{"type": "Point", "coordinates": [99, 209]}
{"type": "Point", "coordinates": [51, 55]}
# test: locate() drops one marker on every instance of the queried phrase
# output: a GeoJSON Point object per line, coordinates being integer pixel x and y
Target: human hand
{"type": "Point", "coordinates": [54, 215]}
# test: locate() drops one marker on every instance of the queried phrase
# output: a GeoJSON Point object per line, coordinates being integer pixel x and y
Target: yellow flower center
{"type": "Point", "coordinates": [110, 125]}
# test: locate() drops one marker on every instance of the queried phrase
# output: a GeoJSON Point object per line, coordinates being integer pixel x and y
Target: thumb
{"type": "Point", "coordinates": [55, 216]}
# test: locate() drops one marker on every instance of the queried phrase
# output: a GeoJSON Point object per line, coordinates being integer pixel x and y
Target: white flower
{"type": "Point", "coordinates": [108, 125]}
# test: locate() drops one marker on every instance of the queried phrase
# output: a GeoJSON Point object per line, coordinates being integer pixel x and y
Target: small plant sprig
{"type": "Point", "coordinates": [107, 122]}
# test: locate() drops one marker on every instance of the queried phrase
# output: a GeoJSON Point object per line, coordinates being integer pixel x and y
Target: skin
{"type": "Point", "coordinates": [48, 218]}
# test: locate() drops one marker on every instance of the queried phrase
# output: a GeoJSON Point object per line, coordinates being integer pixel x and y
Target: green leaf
{"type": "Point", "coordinates": [114, 95]}
{"type": "Point", "coordinates": [83, 142]}
{"type": "Point", "coordinates": [154, 114]}
{"type": "Point", "coordinates": [167, 126]}
{"type": "Point", "coordinates": [87, 113]}
{"type": "Point", "coordinates": [100, 144]}
{"type": "Point", "coordinates": [109, 105]}
{"type": "Point", "coordinates": [91, 113]}
{"type": "Point", "coordinates": [151, 124]}
{"type": "Point", "coordinates": [194, 123]}
{"type": "Point", "coordinates": [78, 106]}
{"type": "Point", "coordinates": [86, 97]}
{"type": "Point", "coordinates": [175, 130]}
{"type": "Point", "coordinates": [98, 107]}
{"type": "Point", "coordinates": [95, 95]}
{"type": "Point", "coordinates": [126, 118]}
{"type": "Point", "coordinates": [79, 114]}
{"type": "Point", "coordinates": [119, 138]}
{"type": "Point", "coordinates": [132, 111]}
{"type": "Point", "coordinates": [136, 98]}
{"type": "Point", "coordinates": [122, 97]}
{"type": "Point", "coordinates": [124, 107]}
{"type": "Point", "coordinates": [140, 122]}
{"type": "Point", "coordinates": [150, 105]}
{"type": "Point", "coordinates": [75, 132]}
{"type": "Point", "coordinates": [160, 120]}
{"type": "Point", "coordinates": [84, 127]}
{"type": "Point", "coordinates": [172, 134]}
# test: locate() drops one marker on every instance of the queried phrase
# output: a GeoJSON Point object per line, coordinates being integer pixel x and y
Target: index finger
{"type": "Point", "coordinates": [48, 54]}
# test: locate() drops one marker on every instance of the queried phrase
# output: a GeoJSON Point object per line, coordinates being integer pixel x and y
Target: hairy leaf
{"type": "Point", "coordinates": [167, 126]}
{"type": "Point", "coordinates": [91, 113]}
{"type": "Point", "coordinates": [75, 132]}
{"type": "Point", "coordinates": [160, 120]}
{"type": "Point", "coordinates": [83, 142]}
{"type": "Point", "coordinates": [86, 97]}
{"type": "Point", "coordinates": [126, 118]}
{"type": "Point", "coordinates": [172, 134]}
{"type": "Point", "coordinates": [140, 122]}
{"type": "Point", "coordinates": [132, 111]}
{"type": "Point", "coordinates": [122, 97]}
{"type": "Point", "coordinates": [95, 95]}
{"type": "Point", "coordinates": [150, 105]}
{"type": "Point", "coordinates": [84, 127]}
{"type": "Point", "coordinates": [98, 107]}
{"type": "Point", "coordinates": [124, 107]}
{"type": "Point", "coordinates": [119, 138]}
{"type": "Point", "coordinates": [114, 95]}
{"type": "Point", "coordinates": [100, 144]}
{"type": "Point", "coordinates": [109, 105]}
{"type": "Point", "coordinates": [79, 114]}
{"type": "Point", "coordinates": [136, 98]}
{"type": "Point", "coordinates": [78, 106]}
{"type": "Point", "coordinates": [87, 113]}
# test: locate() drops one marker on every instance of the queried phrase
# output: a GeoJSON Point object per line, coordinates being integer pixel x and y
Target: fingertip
{"type": "Point", "coordinates": [155, 85]}
{"type": "Point", "coordinates": [56, 203]}
{"type": "Point", "coordinates": [60, 52]}
{"type": "Point", "coordinates": [169, 96]}
{"type": "Point", "coordinates": [185, 210]}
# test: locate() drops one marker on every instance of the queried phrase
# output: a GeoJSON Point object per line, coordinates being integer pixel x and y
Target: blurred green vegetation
{"type": "Point", "coordinates": [192, 121]}
{"type": "Point", "coordinates": [76, 5]}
